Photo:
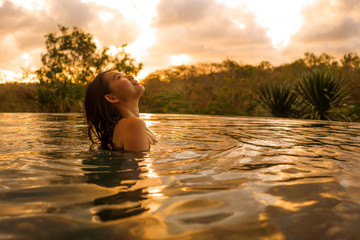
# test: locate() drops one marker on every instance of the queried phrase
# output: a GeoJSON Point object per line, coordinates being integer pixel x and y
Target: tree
{"type": "Point", "coordinates": [323, 61]}
{"type": "Point", "coordinates": [72, 60]}
{"type": "Point", "coordinates": [351, 60]}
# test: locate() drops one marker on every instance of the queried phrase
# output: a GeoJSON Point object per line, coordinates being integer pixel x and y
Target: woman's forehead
{"type": "Point", "coordinates": [112, 74]}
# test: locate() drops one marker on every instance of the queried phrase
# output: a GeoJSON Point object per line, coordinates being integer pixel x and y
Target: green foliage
{"type": "Point", "coordinates": [231, 87]}
{"type": "Point", "coordinates": [70, 57]}
{"type": "Point", "coordinates": [60, 97]}
{"type": "Point", "coordinates": [277, 97]}
{"type": "Point", "coordinates": [353, 113]}
{"type": "Point", "coordinates": [322, 93]}
{"type": "Point", "coordinates": [324, 61]}
{"type": "Point", "coordinates": [228, 87]}
{"type": "Point", "coordinates": [163, 96]}
{"type": "Point", "coordinates": [72, 60]}
{"type": "Point", "coordinates": [18, 97]}
{"type": "Point", "coordinates": [216, 88]}
{"type": "Point", "coordinates": [321, 96]}
{"type": "Point", "coordinates": [351, 60]}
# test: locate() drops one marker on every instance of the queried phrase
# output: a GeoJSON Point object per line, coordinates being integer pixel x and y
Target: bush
{"type": "Point", "coordinates": [277, 97]}
{"type": "Point", "coordinates": [323, 95]}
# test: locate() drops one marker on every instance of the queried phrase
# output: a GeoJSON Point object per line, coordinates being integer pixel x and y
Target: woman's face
{"type": "Point", "coordinates": [123, 87]}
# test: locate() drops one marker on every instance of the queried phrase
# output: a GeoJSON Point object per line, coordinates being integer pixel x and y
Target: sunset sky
{"type": "Point", "coordinates": [160, 33]}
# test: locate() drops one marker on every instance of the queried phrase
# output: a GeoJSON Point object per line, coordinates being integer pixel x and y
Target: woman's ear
{"type": "Point", "coordinates": [110, 98]}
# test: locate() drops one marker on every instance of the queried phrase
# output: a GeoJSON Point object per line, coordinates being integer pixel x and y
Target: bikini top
{"type": "Point", "coordinates": [152, 136]}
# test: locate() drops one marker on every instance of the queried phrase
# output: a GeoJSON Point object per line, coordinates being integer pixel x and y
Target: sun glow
{"type": "Point", "coordinates": [142, 12]}
{"type": "Point", "coordinates": [239, 24]}
{"type": "Point", "coordinates": [142, 74]}
{"type": "Point", "coordinates": [180, 59]}
{"type": "Point", "coordinates": [9, 76]}
{"type": "Point", "coordinates": [139, 11]}
{"type": "Point", "coordinates": [26, 58]}
{"type": "Point", "coordinates": [97, 42]}
{"type": "Point", "coordinates": [106, 16]}
{"type": "Point", "coordinates": [113, 50]}
{"type": "Point", "coordinates": [280, 18]}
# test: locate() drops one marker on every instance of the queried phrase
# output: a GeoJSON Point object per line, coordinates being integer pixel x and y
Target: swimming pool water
{"type": "Point", "coordinates": [209, 177]}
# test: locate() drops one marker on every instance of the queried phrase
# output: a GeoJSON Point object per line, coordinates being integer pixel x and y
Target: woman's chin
{"type": "Point", "coordinates": [141, 90]}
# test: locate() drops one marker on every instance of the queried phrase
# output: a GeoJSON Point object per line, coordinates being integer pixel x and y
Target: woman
{"type": "Point", "coordinates": [112, 112]}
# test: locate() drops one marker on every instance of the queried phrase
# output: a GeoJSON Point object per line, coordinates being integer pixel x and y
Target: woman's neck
{"type": "Point", "coordinates": [128, 109]}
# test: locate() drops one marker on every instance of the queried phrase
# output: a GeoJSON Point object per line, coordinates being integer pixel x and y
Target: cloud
{"type": "Point", "coordinates": [332, 27]}
{"type": "Point", "coordinates": [347, 6]}
{"type": "Point", "coordinates": [326, 22]}
{"type": "Point", "coordinates": [176, 12]}
{"type": "Point", "coordinates": [71, 12]}
{"type": "Point", "coordinates": [17, 34]}
{"type": "Point", "coordinates": [116, 31]}
{"type": "Point", "coordinates": [15, 19]}
{"type": "Point", "coordinates": [23, 30]}
{"type": "Point", "coordinates": [207, 31]}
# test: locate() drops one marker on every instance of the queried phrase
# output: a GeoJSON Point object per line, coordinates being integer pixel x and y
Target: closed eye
{"type": "Point", "coordinates": [117, 76]}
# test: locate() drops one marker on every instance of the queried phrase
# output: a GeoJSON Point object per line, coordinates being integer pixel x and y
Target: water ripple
{"type": "Point", "coordinates": [208, 177]}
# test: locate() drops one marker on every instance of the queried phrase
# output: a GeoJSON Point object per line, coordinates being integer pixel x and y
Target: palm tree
{"type": "Point", "coordinates": [322, 93]}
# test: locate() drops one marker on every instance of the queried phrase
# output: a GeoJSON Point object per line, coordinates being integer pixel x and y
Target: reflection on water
{"type": "Point", "coordinates": [210, 177]}
{"type": "Point", "coordinates": [115, 171]}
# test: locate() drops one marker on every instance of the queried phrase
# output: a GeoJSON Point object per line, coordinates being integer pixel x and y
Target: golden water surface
{"type": "Point", "coordinates": [209, 177]}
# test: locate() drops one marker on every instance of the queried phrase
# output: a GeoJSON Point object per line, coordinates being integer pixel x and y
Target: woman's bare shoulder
{"type": "Point", "coordinates": [129, 123]}
{"type": "Point", "coordinates": [131, 134]}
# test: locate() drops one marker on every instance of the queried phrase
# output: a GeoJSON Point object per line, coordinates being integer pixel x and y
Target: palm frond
{"type": "Point", "coordinates": [322, 92]}
{"type": "Point", "coordinates": [277, 97]}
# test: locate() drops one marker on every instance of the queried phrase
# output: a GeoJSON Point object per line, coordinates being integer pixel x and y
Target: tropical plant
{"type": "Point", "coordinates": [323, 94]}
{"type": "Point", "coordinates": [72, 60]}
{"type": "Point", "coordinates": [60, 97]}
{"type": "Point", "coordinates": [277, 97]}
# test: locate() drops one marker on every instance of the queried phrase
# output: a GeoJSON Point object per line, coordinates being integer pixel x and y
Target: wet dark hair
{"type": "Point", "coordinates": [100, 115]}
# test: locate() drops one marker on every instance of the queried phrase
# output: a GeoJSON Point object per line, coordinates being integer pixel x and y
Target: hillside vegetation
{"type": "Point", "coordinates": [229, 87]}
